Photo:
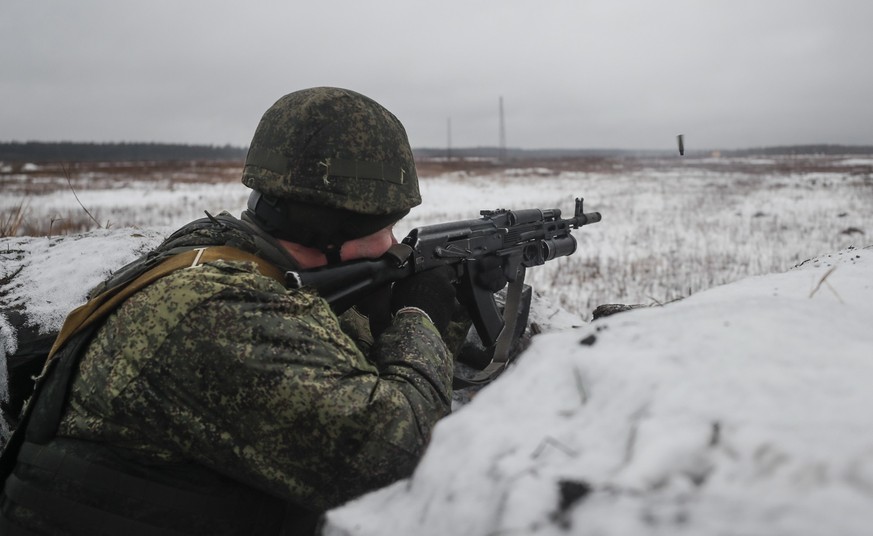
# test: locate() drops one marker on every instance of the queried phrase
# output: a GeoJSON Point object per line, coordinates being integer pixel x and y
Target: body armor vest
{"type": "Point", "coordinates": [71, 486]}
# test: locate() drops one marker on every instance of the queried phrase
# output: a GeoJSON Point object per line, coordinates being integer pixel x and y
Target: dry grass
{"type": "Point", "coordinates": [28, 184]}
{"type": "Point", "coordinates": [11, 220]}
{"type": "Point", "coordinates": [47, 178]}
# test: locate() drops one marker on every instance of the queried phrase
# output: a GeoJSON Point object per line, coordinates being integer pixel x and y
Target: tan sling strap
{"type": "Point", "coordinates": [104, 303]}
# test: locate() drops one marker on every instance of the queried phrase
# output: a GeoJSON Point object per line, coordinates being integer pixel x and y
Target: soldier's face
{"type": "Point", "coordinates": [369, 247]}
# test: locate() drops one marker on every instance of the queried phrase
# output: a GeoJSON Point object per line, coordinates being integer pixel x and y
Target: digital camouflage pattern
{"type": "Point", "coordinates": [333, 148]}
{"type": "Point", "coordinates": [218, 372]}
{"type": "Point", "coordinates": [221, 366]}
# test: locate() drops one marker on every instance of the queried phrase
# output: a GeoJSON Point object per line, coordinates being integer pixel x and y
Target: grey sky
{"type": "Point", "coordinates": [573, 74]}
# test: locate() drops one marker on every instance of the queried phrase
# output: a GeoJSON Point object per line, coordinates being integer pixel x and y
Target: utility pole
{"type": "Point", "coordinates": [449, 139]}
{"type": "Point", "coordinates": [502, 150]}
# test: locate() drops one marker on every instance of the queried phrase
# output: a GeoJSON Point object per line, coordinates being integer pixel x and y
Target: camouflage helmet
{"type": "Point", "coordinates": [331, 162]}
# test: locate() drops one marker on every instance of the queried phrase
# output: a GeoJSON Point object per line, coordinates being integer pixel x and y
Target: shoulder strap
{"type": "Point", "coordinates": [76, 332]}
{"type": "Point", "coordinates": [104, 303]}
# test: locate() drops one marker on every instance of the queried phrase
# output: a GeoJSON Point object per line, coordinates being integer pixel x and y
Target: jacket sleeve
{"type": "Point", "coordinates": [263, 386]}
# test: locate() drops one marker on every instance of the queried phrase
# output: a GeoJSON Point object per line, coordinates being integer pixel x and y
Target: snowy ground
{"type": "Point", "coordinates": [671, 227]}
{"type": "Point", "coordinates": [742, 409]}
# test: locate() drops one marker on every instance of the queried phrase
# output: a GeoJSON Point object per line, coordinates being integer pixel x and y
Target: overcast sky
{"type": "Point", "coordinates": [572, 73]}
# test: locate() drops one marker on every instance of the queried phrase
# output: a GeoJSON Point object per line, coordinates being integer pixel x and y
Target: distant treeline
{"type": "Point", "coordinates": [822, 149]}
{"type": "Point", "coordinates": [494, 152]}
{"type": "Point", "coordinates": [511, 153]}
{"type": "Point", "coordinates": [33, 151]}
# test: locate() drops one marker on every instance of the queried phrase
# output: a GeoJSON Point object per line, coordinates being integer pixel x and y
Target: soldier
{"type": "Point", "coordinates": [216, 401]}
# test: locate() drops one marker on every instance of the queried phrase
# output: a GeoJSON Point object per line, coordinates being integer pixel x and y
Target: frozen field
{"type": "Point", "coordinates": [671, 227]}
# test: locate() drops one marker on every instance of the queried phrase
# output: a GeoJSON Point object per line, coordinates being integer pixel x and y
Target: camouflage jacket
{"type": "Point", "coordinates": [221, 369]}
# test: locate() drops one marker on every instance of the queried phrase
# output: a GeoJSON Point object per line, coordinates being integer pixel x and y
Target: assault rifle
{"type": "Point", "coordinates": [520, 238]}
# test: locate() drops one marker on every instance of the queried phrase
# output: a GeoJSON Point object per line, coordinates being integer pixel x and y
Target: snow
{"type": "Point", "coordinates": [743, 409]}
{"type": "Point", "coordinates": [57, 272]}
{"type": "Point", "coordinates": [46, 277]}
{"type": "Point", "coordinates": [857, 162]}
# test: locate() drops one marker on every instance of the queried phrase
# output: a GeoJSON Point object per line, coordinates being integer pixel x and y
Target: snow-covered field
{"type": "Point", "coordinates": [742, 409]}
{"type": "Point", "coordinates": [671, 227]}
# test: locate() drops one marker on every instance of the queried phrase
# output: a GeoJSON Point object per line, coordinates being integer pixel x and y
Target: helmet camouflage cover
{"type": "Point", "coordinates": [333, 148]}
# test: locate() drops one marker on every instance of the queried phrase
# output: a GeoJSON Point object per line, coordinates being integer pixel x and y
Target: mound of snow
{"type": "Point", "coordinates": [740, 410]}
{"type": "Point", "coordinates": [44, 278]}
{"type": "Point", "coordinates": [49, 276]}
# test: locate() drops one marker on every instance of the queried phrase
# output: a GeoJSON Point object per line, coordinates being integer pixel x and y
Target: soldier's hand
{"type": "Point", "coordinates": [431, 291]}
{"type": "Point", "coordinates": [489, 274]}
